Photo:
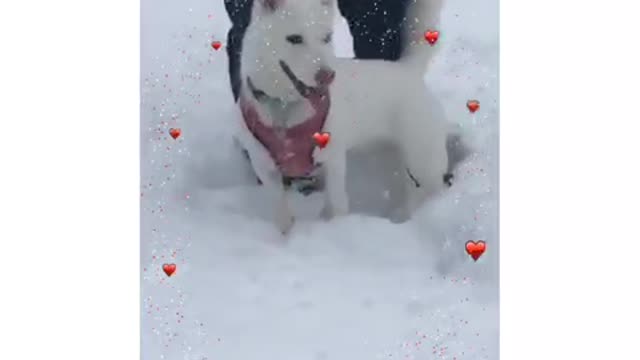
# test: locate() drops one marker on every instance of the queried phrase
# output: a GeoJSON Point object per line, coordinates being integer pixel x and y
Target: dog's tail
{"type": "Point", "coordinates": [421, 33]}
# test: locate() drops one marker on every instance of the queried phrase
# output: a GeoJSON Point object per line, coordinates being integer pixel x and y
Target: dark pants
{"type": "Point", "coordinates": [374, 24]}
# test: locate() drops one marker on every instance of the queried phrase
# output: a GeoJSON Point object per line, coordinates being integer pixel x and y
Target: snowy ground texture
{"type": "Point", "coordinates": [355, 288]}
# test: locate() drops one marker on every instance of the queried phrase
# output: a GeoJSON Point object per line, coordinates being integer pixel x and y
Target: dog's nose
{"type": "Point", "coordinates": [325, 76]}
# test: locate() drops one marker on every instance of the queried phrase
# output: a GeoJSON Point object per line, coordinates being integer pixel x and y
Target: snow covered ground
{"type": "Point", "coordinates": [354, 288]}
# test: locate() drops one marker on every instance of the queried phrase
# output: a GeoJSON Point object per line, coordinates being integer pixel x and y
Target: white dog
{"type": "Point", "coordinates": [293, 86]}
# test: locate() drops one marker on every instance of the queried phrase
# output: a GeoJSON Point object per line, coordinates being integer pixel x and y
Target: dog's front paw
{"type": "Point", "coordinates": [399, 215]}
{"type": "Point", "coordinates": [284, 221]}
{"type": "Point", "coordinates": [326, 213]}
{"type": "Point", "coordinates": [340, 211]}
{"type": "Point", "coordinates": [286, 225]}
{"type": "Point", "coordinates": [329, 211]}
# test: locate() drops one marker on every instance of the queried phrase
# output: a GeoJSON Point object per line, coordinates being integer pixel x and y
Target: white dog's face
{"type": "Point", "coordinates": [294, 34]}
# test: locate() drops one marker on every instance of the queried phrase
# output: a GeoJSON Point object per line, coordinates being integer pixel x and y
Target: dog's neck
{"type": "Point", "coordinates": [262, 97]}
{"type": "Point", "coordinates": [280, 111]}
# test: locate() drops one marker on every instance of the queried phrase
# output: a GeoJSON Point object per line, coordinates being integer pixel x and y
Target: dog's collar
{"type": "Point", "coordinates": [279, 109]}
{"type": "Point", "coordinates": [263, 97]}
{"type": "Point", "coordinates": [291, 148]}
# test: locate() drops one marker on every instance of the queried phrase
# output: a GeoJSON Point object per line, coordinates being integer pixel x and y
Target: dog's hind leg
{"type": "Point", "coordinates": [457, 151]}
{"type": "Point", "coordinates": [424, 150]}
{"type": "Point", "coordinates": [426, 175]}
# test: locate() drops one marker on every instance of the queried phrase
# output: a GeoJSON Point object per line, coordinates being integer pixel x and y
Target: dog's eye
{"type": "Point", "coordinates": [295, 39]}
{"type": "Point", "coordinates": [327, 38]}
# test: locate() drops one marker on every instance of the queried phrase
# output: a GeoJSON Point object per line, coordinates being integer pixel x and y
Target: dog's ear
{"type": "Point", "coordinates": [270, 5]}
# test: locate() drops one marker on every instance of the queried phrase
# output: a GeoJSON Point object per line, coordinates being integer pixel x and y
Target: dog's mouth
{"type": "Point", "coordinates": [323, 77]}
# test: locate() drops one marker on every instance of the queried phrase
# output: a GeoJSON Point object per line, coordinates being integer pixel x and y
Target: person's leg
{"type": "Point", "coordinates": [240, 14]}
{"type": "Point", "coordinates": [375, 27]}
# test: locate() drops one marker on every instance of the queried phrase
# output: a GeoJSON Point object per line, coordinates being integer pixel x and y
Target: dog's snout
{"type": "Point", "coordinates": [325, 76]}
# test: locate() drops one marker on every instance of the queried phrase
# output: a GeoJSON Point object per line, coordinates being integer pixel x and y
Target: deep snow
{"type": "Point", "coordinates": [358, 287]}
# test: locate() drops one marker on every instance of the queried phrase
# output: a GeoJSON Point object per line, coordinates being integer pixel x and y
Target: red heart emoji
{"type": "Point", "coordinates": [169, 269]}
{"type": "Point", "coordinates": [473, 105]}
{"type": "Point", "coordinates": [216, 45]}
{"type": "Point", "coordinates": [322, 139]}
{"type": "Point", "coordinates": [475, 248]}
{"type": "Point", "coordinates": [175, 133]}
{"type": "Point", "coordinates": [431, 36]}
